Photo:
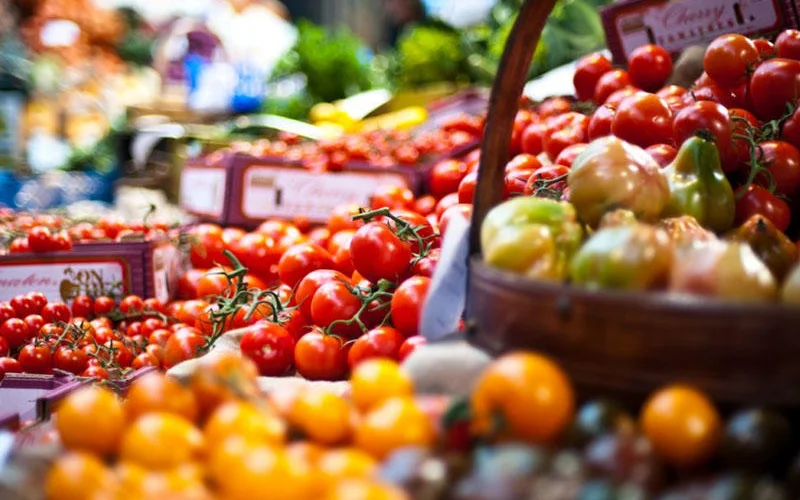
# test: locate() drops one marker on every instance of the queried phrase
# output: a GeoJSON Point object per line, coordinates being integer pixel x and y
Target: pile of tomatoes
{"type": "Point", "coordinates": [39, 233]}
{"type": "Point", "coordinates": [379, 148]}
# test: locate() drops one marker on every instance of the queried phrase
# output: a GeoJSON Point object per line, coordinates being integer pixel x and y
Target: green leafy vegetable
{"type": "Point", "coordinates": [429, 53]}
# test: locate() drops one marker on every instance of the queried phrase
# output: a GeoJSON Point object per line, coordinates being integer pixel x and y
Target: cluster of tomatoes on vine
{"type": "Point", "coordinates": [94, 337]}
{"type": "Point", "coordinates": [380, 148]}
{"type": "Point", "coordinates": [40, 233]}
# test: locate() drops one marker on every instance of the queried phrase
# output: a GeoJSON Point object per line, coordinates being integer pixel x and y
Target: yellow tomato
{"type": "Point", "coordinates": [91, 419]}
{"type": "Point", "coordinates": [531, 393]}
{"type": "Point", "coordinates": [156, 392]}
{"type": "Point", "coordinates": [77, 476]}
{"type": "Point", "coordinates": [162, 441]}
{"type": "Point", "coordinates": [361, 489]}
{"type": "Point", "coordinates": [266, 470]}
{"type": "Point", "coordinates": [682, 425]}
{"type": "Point", "coordinates": [245, 419]}
{"type": "Point", "coordinates": [377, 380]}
{"type": "Point", "coordinates": [346, 463]}
{"type": "Point", "coordinates": [322, 416]}
{"type": "Point", "coordinates": [395, 423]}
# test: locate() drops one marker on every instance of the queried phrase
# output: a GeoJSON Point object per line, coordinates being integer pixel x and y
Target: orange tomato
{"type": "Point", "coordinates": [255, 424]}
{"type": "Point", "coordinates": [261, 468]}
{"type": "Point", "coordinates": [161, 441]}
{"type": "Point", "coordinates": [396, 423]}
{"type": "Point", "coordinates": [91, 419]}
{"type": "Point", "coordinates": [346, 463]}
{"type": "Point", "coordinates": [156, 392]}
{"type": "Point", "coordinates": [531, 393]}
{"type": "Point", "coordinates": [77, 476]}
{"type": "Point", "coordinates": [223, 377]}
{"type": "Point", "coordinates": [189, 310]}
{"type": "Point", "coordinates": [377, 380]}
{"type": "Point", "coordinates": [362, 489]}
{"type": "Point", "coordinates": [322, 416]}
{"type": "Point", "coordinates": [682, 425]}
{"type": "Point", "coordinates": [306, 451]}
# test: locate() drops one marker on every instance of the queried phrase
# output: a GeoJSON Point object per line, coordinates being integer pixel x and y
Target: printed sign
{"type": "Point", "coordinates": [62, 281]}
{"type": "Point", "coordinates": [677, 24]}
{"type": "Point", "coordinates": [166, 269]}
{"type": "Point", "coordinates": [203, 190]}
{"type": "Point", "coordinates": [291, 192]}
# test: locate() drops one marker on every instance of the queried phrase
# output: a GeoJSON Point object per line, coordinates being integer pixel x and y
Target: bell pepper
{"type": "Point", "coordinates": [611, 174]}
{"type": "Point", "coordinates": [698, 186]}
{"type": "Point", "coordinates": [535, 237]}
{"type": "Point", "coordinates": [627, 257]}
{"type": "Point", "coordinates": [773, 247]}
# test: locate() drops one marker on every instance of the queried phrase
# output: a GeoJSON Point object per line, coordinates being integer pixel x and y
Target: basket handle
{"type": "Point", "coordinates": [503, 106]}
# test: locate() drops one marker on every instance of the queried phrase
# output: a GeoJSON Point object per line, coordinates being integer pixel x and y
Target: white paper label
{"type": "Point", "coordinates": [203, 190]}
{"type": "Point", "coordinates": [166, 263]}
{"type": "Point", "coordinates": [678, 24]}
{"type": "Point", "coordinates": [448, 291]}
{"type": "Point", "coordinates": [62, 281]}
{"type": "Point", "coordinates": [291, 192]}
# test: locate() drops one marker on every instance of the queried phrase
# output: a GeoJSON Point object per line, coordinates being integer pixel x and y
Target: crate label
{"type": "Point", "coordinates": [678, 24]}
{"type": "Point", "coordinates": [447, 296]}
{"type": "Point", "coordinates": [291, 192]}
{"type": "Point", "coordinates": [203, 190]}
{"type": "Point", "coordinates": [62, 281]}
{"type": "Point", "coordinates": [166, 269]}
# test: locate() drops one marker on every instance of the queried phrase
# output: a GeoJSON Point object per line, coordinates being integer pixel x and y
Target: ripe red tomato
{"type": "Point", "coordinates": [34, 322]}
{"type": "Point", "coordinates": [787, 44]}
{"type": "Point", "coordinates": [6, 312]}
{"type": "Point", "coordinates": [309, 285]}
{"type": "Point", "coordinates": [615, 99]}
{"type": "Point", "coordinates": [547, 174]}
{"type": "Point", "coordinates": [38, 299]}
{"type": "Point", "coordinates": [407, 304]}
{"type": "Point", "coordinates": [378, 253]}
{"type": "Point", "coordinates": [600, 122]}
{"type": "Point", "coordinates": [187, 283]}
{"type": "Point", "coordinates": [71, 360]}
{"type": "Point", "coordinates": [610, 82]}
{"type": "Point", "coordinates": [426, 204]}
{"type": "Point", "coordinates": [270, 346]}
{"type": "Point", "coordinates": [9, 365]}
{"type": "Point", "coordinates": [758, 200]}
{"type": "Point", "coordinates": [258, 253]}
{"type": "Point", "coordinates": [103, 305]}
{"type": "Point", "coordinates": [445, 203]}
{"type": "Point", "coordinates": [552, 106]}
{"type": "Point", "coordinates": [783, 162]}
{"type": "Point", "coordinates": [729, 58]}
{"type": "Point", "coordinates": [587, 72]}
{"type": "Point", "coordinates": [573, 132]}
{"type": "Point", "coordinates": [341, 218]}
{"type": "Point", "coordinates": [144, 359]}
{"type": "Point", "coordinates": [663, 154]}
{"type": "Point", "coordinates": [55, 312]}
{"type": "Point", "coordinates": [339, 247]}
{"type": "Point", "coordinates": [427, 265]}
{"type": "Point", "coordinates": [159, 337]}
{"type": "Point", "coordinates": [207, 246]}
{"type": "Point", "coordinates": [4, 347]}
{"type": "Point", "coordinates": [96, 372]}
{"type": "Point", "coordinates": [515, 181]}
{"type": "Point", "coordinates": [381, 342]}
{"type": "Point", "coordinates": [649, 67]}
{"type": "Point", "coordinates": [40, 239]}
{"type": "Point", "coordinates": [461, 210]}
{"type": "Point", "coordinates": [131, 304]}
{"type": "Point", "coordinates": [83, 306]}
{"type": "Point", "coordinates": [23, 306]}
{"type": "Point", "coordinates": [154, 305]}
{"type": "Point", "coordinates": [16, 332]}
{"type": "Point", "coordinates": [410, 345]}
{"type": "Point", "coordinates": [446, 176]}
{"type": "Point", "coordinates": [532, 138]}
{"type": "Point", "coordinates": [391, 196]}
{"type": "Point", "coordinates": [186, 343]}
{"type": "Point", "coordinates": [705, 116]}
{"type": "Point", "coordinates": [36, 358]}
{"type": "Point", "coordinates": [466, 189]}
{"type": "Point", "coordinates": [643, 119]}
{"type": "Point", "coordinates": [333, 302]}
{"type": "Point", "coordinates": [419, 223]}
{"type": "Point", "coordinates": [320, 357]}
{"type": "Point", "coordinates": [741, 121]}
{"type": "Point", "coordinates": [568, 155]}
{"type": "Point", "coordinates": [774, 84]}
{"type": "Point", "coordinates": [300, 260]}
{"type": "Point", "coordinates": [523, 161]}
{"type": "Point", "coordinates": [766, 49]}
{"type": "Point", "coordinates": [791, 129]}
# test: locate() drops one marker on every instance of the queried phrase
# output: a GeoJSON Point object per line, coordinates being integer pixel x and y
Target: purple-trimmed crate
{"type": "Point", "coordinates": [145, 268]}
{"type": "Point", "coordinates": [32, 396]}
{"type": "Point", "coordinates": [9, 421]}
{"type": "Point", "coordinates": [677, 24]}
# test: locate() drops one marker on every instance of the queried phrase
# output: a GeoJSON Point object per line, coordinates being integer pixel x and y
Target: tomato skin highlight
{"type": "Point", "coordinates": [378, 253]}
{"type": "Point", "coordinates": [773, 84]}
{"type": "Point", "coordinates": [270, 346]}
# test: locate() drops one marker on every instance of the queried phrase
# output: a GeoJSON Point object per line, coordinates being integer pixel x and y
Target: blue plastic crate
{"type": "Point", "coordinates": [55, 189]}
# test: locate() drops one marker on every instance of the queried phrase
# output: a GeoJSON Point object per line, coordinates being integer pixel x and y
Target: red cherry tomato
{"type": "Point", "coordinates": [446, 176]}
{"type": "Point", "coordinates": [23, 306]}
{"type": "Point", "coordinates": [36, 358]}
{"type": "Point", "coordinates": [207, 246]}
{"type": "Point", "coordinates": [300, 260]}
{"type": "Point", "coordinates": [309, 285]}
{"type": "Point", "coordinates": [9, 365]}
{"type": "Point", "coordinates": [407, 304]}
{"type": "Point", "coordinates": [609, 83]}
{"type": "Point", "coordinates": [131, 304]}
{"type": "Point", "coordinates": [783, 162]}
{"type": "Point", "coordinates": [758, 200]}
{"type": "Point", "coordinates": [663, 154]}
{"type": "Point", "coordinates": [16, 332]}
{"type": "Point", "coordinates": [600, 122]}
{"type": "Point", "coordinates": [334, 302]}
{"type": "Point", "coordinates": [766, 49]}
{"type": "Point", "coordinates": [410, 345]}
{"type": "Point", "coordinates": [466, 189]}
{"type": "Point", "coordinates": [644, 120]}
{"type": "Point", "coordinates": [650, 66]}
{"type": "Point", "coordinates": [38, 299]}
{"type": "Point", "coordinates": [587, 72]}
{"type": "Point", "coordinates": [187, 343]}
{"type": "Point", "coordinates": [320, 357]}
{"type": "Point", "coordinates": [378, 253]}
{"type": "Point", "coordinates": [381, 342]}
{"type": "Point", "coordinates": [392, 196]}
{"type": "Point", "coordinates": [461, 210]}
{"type": "Point", "coordinates": [728, 59]}
{"type": "Point", "coordinates": [103, 305]}
{"type": "Point", "coordinates": [791, 129]}
{"type": "Point", "coordinates": [705, 116]}
{"type": "Point", "coordinates": [787, 45]}
{"type": "Point", "coordinates": [532, 139]}
{"type": "Point", "coordinates": [773, 84]}
{"type": "Point", "coordinates": [83, 306]}
{"type": "Point", "coordinates": [270, 346]}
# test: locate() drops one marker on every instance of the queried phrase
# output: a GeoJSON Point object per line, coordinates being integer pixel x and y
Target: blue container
{"type": "Point", "coordinates": [57, 189]}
